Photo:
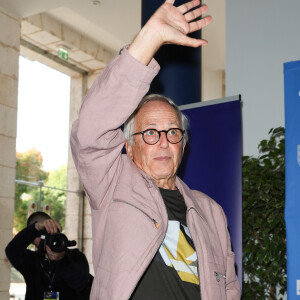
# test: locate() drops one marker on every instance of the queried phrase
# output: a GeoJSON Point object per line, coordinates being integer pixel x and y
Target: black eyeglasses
{"type": "Point", "coordinates": [152, 136]}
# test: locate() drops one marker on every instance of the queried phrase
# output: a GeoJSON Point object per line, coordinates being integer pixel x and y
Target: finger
{"type": "Point", "coordinates": [170, 1]}
{"type": "Point", "coordinates": [58, 226]}
{"type": "Point", "coordinates": [52, 226]}
{"type": "Point", "coordinates": [194, 14]}
{"type": "Point", "coordinates": [55, 226]}
{"type": "Point", "coordinates": [197, 25]}
{"type": "Point", "coordinates": [49, 226]}
{"type": "Point", "coordinates": [195, 43]}
{"type": "Point", "coordinates": [189, 42]}
{"type": "Point", "coordinates": [39, 226]}
{"type": "Point", "coordinates": [187, 6]}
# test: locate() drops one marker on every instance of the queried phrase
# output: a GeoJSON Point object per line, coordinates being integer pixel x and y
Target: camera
{"type": "Point", "coordinates": [57, 242]}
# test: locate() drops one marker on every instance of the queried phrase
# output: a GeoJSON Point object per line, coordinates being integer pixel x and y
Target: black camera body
{"type": "Point", "coordinates": [57, 242]}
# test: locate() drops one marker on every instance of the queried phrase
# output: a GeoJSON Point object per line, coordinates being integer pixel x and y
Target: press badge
{"type": "Point", "coordinates": [51, 295]}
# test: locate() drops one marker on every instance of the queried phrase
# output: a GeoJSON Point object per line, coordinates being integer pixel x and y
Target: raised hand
{"type": "Point", "coordinates": [172, 24]}
{"type": "Point", "coordinates": [169, 25]}
{"type": "Point", "coordinates": [50, 225]}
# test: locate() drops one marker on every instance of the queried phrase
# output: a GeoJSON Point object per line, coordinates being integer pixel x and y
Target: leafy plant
{"type": "Point", "coordinates": [56, 199]}
{"type": "Point", "coordinates": [29, 168]}
{"type": "Point", "coordinates": [264, 244]}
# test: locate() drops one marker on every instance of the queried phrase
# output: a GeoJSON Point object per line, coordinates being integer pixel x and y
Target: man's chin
{"type": "Point", "coordinates": [161, 174]}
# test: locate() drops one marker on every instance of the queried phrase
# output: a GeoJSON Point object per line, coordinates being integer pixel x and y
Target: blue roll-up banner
{"type": "Point", "coordinates": [212, 160]}
{"type": "Point", "coordinates": [292, 176]}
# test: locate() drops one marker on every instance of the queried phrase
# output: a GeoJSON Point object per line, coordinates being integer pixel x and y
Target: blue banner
{"type": "Point", "coordinates": [292, 176]}
{"type": "Point", "coordinates": [212, 161]}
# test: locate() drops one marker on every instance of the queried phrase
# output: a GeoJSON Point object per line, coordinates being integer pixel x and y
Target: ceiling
{"type": "Point", "coordinates": [114, 23]}
{"type": "Point", "coordinates": [103, 23]}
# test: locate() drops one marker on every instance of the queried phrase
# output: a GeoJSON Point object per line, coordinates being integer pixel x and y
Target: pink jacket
{"type": "Point", "coordinates": [125, 201]}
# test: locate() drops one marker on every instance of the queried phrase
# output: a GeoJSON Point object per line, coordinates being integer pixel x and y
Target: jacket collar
{"type": "Point", "coordinates": [185, 191]}
{"type": "Point", "coordinates": [189, 198]}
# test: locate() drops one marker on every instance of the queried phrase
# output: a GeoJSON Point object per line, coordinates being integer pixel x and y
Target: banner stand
{"type": "Point", "coordinates": [292, 176]}
{"type": "Point", "coordinates": [212, 162]}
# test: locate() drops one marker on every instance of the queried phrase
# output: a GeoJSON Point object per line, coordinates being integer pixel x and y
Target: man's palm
{"type": "Point", "coordinates": [173, 23]}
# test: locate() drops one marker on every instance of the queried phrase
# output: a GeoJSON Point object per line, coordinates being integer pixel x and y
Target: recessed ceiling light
{"type": "Point", "coordinates": [95, 2]}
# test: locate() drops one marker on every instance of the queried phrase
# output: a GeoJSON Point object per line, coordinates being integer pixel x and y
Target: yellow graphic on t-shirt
{"type": "Point", "coordinates": [179, 254]}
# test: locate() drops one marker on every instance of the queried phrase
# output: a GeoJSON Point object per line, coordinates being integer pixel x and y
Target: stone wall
{"type": "Point", "coordinates": [78, 212]}
{"type": "Point", "coordinates": [9, 60]}
{"type": "Point", "coordinates": [78, 216]}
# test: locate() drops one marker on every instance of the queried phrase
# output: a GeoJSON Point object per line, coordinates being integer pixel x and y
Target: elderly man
{"type": "Point", "coordinates": [153, 237]}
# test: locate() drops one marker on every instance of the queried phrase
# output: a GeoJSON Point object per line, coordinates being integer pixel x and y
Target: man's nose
{"type": "Point", "coordinates": [163, 142]}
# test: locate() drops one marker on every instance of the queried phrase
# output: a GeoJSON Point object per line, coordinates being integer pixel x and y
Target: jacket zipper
{"type": "Point", "coordinates": [218, 275]}
{"type": "Point", "coordinates": [188, 223]}
{"type": "Point", "coordinates": [149, 217]}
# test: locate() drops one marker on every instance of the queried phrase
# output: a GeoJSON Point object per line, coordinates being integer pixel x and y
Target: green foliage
{"type": "Point", "coordinates": [56, 198]}
{"type": "Point", "coordinates": [29, 168]}
{"type": "Point", "coordinates": [264, 245]}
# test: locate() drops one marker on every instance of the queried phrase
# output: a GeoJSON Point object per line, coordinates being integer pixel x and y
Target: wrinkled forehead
{"type": "Point", "coordinates": [157, 113]}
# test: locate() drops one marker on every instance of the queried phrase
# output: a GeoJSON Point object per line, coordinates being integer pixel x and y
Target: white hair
{"type": "Point", "coordinates": [129, 124]}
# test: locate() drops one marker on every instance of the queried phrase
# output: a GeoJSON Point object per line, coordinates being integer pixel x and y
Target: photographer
{"type": "Point", "coordinates": [64, 273]}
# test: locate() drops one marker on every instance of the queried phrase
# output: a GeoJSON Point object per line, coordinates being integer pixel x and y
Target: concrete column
{"type": "Point", "coordinates": [213, 55]}
{"type": "Point", "coordinates": [78, 212]}
{"type": "Point", "coordinates": [9, 61]}
{"type": "Point", "coordinates": [180, 75]}
{"type": "Point", "coordinates": [74, 202]}
{"type": "Point", "coordinates": [213, 83]}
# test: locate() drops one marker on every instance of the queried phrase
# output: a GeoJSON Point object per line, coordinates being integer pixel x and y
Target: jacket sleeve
{"type": "Point", "coordinates": [96, 138]}
{"type": "Point", "coordinates": [16, 249]}
{"type": "Point", "coordinates": [74, 269]}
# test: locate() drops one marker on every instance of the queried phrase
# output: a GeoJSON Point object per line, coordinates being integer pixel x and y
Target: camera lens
{"type": "Point", "coordinates": [57, 242]}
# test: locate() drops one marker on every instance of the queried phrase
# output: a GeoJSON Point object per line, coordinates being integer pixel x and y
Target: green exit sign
{"type": "Point", "coordinates": [63, 54]}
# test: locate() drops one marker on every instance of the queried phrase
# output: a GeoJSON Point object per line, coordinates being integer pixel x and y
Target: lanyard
{"type": "Point", "coordinates": [49, 272]}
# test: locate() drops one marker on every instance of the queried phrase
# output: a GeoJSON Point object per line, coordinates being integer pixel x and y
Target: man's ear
{"type": "Point", "coordinates": [183, 147]}
{"type": "Point", "coordinates": [128, 148]}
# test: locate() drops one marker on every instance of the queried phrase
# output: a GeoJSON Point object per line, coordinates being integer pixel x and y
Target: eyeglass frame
{"type": "Point", "coordinates": [159, 134]}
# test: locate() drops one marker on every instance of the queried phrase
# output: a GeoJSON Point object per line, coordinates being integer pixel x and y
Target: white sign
{"type": "Point", "coordinates": [298, 154]}
{"type": "Point", "coordinates": [298, 287]}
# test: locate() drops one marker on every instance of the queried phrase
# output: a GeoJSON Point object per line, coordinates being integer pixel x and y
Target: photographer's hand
{"type": "Point", "coordinates": [50, 225]}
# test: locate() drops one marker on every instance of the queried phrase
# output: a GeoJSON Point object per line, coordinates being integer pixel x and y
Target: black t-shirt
{"type": "Point", "coordinates": [173, 273]}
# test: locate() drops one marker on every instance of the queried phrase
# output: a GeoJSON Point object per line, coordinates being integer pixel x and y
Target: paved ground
{"type": "Point", "coordinates": [17, 291]}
